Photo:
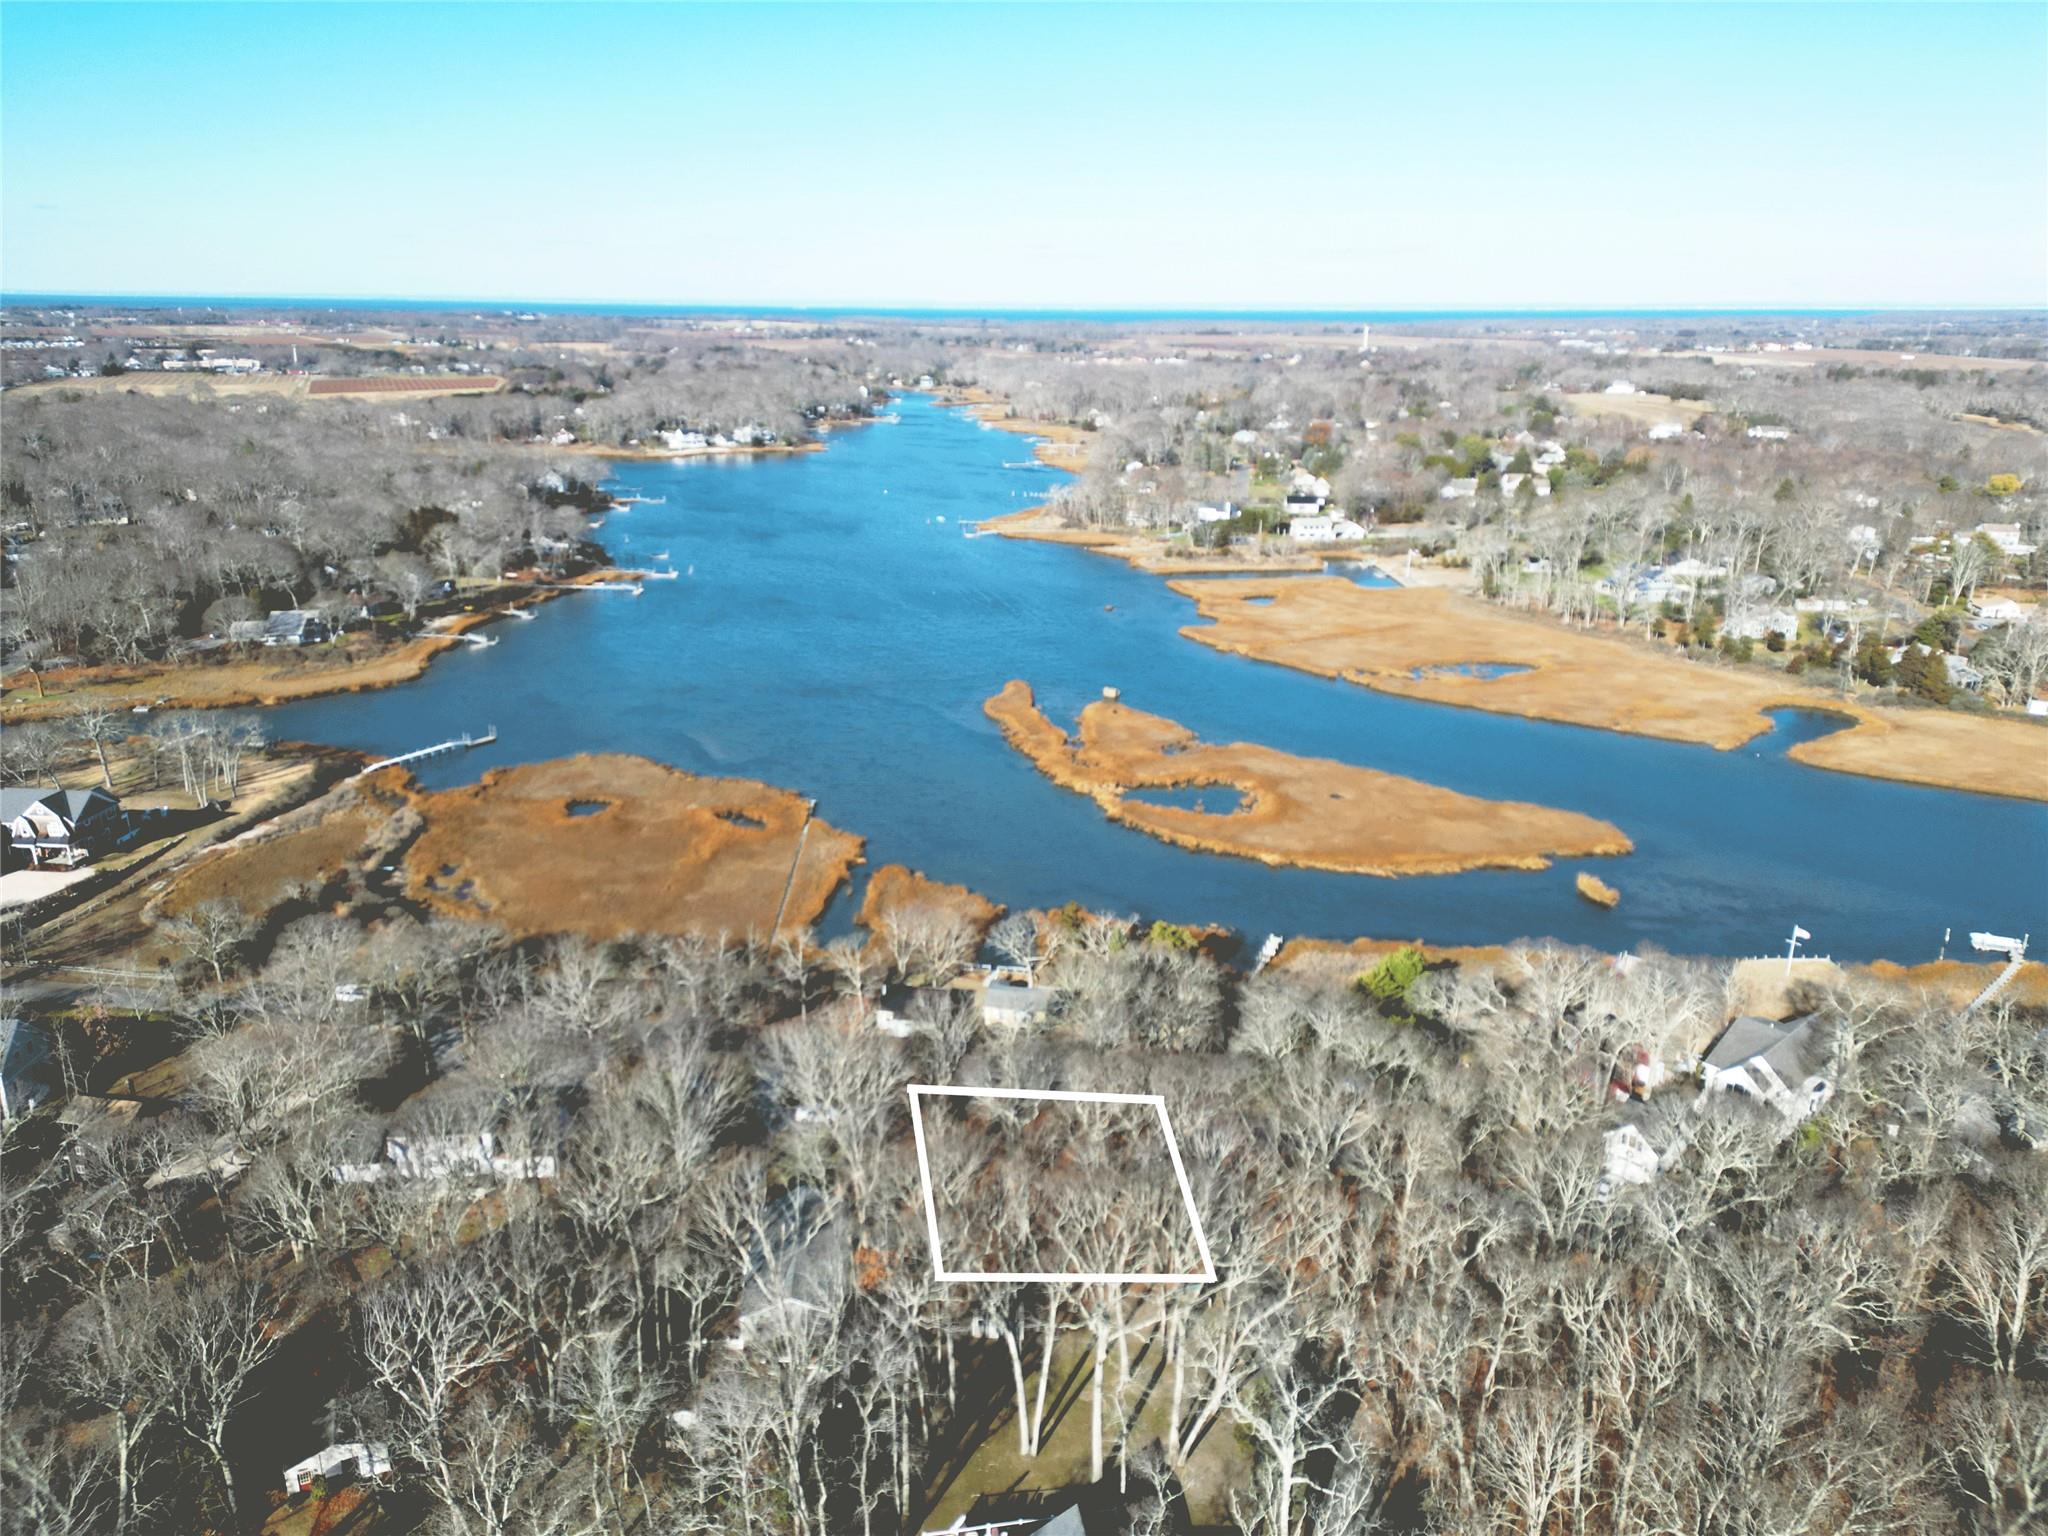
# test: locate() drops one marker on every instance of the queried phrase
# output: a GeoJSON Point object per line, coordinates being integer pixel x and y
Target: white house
{"type": "Point", "coordinates": [1665, 431]}
{"type": "Point", "coordinates": [2007, 537]}
{"type": "Point", "coordinates": [1511, 482]}
{"type": "Point", "coordinates": [1776, 1064]}
{"type": "Point", "coordinates": [408, 1156]}
{"type": "Point", "coordinates": [901, 1012]}
{"type": "Point", "coordinates": [1459, 490]}
{"type": "Point", "coordinates": [681, 441]}
{"type": "Point", "coordinates": [1989, 611]}
{"type": "Point", "coordinates": [1324, 530]}
{"type": "Point", "coordinates": [371, 1459]}
{"type": "Point", "coordinates": [1762, 623]}
{"type": "Point", "coordinates": [1630, 1158]}
{"type": "Point", "coordinates": [1620, 387]}
{"type": "Point", "coordinates": [1770, 434]}
{"type": "Point", "coordinates": [1222, 514]}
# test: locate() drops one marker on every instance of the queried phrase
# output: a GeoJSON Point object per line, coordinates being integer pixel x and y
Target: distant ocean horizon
{"type": "Point", "coordinates": [990, 313]}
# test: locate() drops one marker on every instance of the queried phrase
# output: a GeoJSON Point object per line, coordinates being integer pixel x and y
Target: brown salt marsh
{"type": "Point", "coordinates": [1383, 638]}
{"type": "Point", "coordinates": [606, 845]}
{"type": "Point", "coordinates": [1312, 813]}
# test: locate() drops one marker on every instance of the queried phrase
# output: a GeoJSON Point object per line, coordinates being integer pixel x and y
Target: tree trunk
{"type": "Point", "coordinates": [1024, 1446]}
{"type": "Point", "coordinates": [1095, 1407]}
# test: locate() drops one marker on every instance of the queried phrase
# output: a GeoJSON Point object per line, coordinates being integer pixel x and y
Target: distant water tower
{"type": "Point", "coordinates": [1365, 338]}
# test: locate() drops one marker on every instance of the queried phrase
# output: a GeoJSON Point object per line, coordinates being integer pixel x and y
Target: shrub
{"type": "Point", "coordinates": [1390, 979]}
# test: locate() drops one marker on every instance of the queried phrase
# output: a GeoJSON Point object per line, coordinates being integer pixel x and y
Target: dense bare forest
{"type": "Point", "coordinates": [136, 521]}
{"type": "Point", "coordinates": [503, 1211]}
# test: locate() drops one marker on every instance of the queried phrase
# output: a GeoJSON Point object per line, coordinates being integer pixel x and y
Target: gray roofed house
{"type": "Point", "coordinates": [800, 1266]}
{"type": "Point", "coordinates": [60, 826]}
{"type": "Point", "coordinates": [1017, 1006]}
{"type": "Point", "coordinates": [294, 626]}
{"type": "Point", "coordinates": [28, 1068]}
{"type": "Point", "coordinates": [1782, 1065]}
{"type": "Point", "coordinates": [1067, 1522]}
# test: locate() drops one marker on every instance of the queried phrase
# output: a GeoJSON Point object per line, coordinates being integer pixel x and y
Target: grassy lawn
{"type": "Point", "coordinates": [994, 1467]}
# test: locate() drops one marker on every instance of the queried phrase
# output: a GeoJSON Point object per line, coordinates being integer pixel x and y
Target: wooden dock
{"type": "Point", "coordinates": [460, 743]}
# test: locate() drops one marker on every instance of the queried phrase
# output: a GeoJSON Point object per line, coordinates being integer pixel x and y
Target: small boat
{"type": "Point", "coordinates": [521, 613]}
{"type": "Point", "coordinates": [942, 519]}
{"type": "Point", "coordinates": [662, 556]}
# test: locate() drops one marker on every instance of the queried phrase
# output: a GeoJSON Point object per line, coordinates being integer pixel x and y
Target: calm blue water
{"type": "Point", "coordinates": [838, 638]}
{"type": "Point", "coordinates": [1210, 799]}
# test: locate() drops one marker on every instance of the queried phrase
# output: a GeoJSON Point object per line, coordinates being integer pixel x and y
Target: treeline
{"type": "Point", "coordinates": [1433, 1311]}
{"type": "Point", "coordinates": [135, 521]}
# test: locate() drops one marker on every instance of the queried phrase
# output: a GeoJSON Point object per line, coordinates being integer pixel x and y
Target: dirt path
{"type": "Point", "coordinates": [1309, 812]}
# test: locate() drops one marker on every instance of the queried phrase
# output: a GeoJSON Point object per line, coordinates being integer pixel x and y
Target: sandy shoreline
{"type": "Point", "coordinates": [1063, 445]}
{"type": "Point", "coordinates": [1310, 813]}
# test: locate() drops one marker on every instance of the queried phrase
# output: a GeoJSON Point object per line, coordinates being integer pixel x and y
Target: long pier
{"type": "Point", "coordinates": [460, 743]}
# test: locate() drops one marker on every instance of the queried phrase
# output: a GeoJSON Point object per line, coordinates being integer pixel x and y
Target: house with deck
{"type": "Point", "coordinates": [48, 827]}
{"type": "Point", "coordinates": [1782, 1065]}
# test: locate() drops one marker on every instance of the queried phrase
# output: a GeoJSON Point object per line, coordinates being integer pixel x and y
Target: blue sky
{"type": "Point", "coordinates": [1377, 157]}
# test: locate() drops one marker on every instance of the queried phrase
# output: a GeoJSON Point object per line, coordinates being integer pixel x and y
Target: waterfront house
{"type": "Point", "coordinates": [1780, 1065]}
{"type": "Point", "coordinates": [62, 827]}
{"type": "Point", "coordinates": [1762, 623]}
{"type": "Point", "coordinates": [288, 626]}
{"type": "Point", "coordinates": [1324, 530]}
{"type": "Point", "coordinates": [28, 1067]}
{"type": "Point", "coordinates": [1015, 1006]}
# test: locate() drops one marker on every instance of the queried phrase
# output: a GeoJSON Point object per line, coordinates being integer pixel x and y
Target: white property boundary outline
{"type": "Point", "coordinates": [931, 1212]}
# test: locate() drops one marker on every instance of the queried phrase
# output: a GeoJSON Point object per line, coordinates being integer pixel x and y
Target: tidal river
{"type": "Point", "coordinates": [836, 634]}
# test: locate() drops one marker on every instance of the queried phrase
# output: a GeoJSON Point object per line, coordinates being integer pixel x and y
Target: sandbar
{"type": "Point", "coordinates": [1309, 812]}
